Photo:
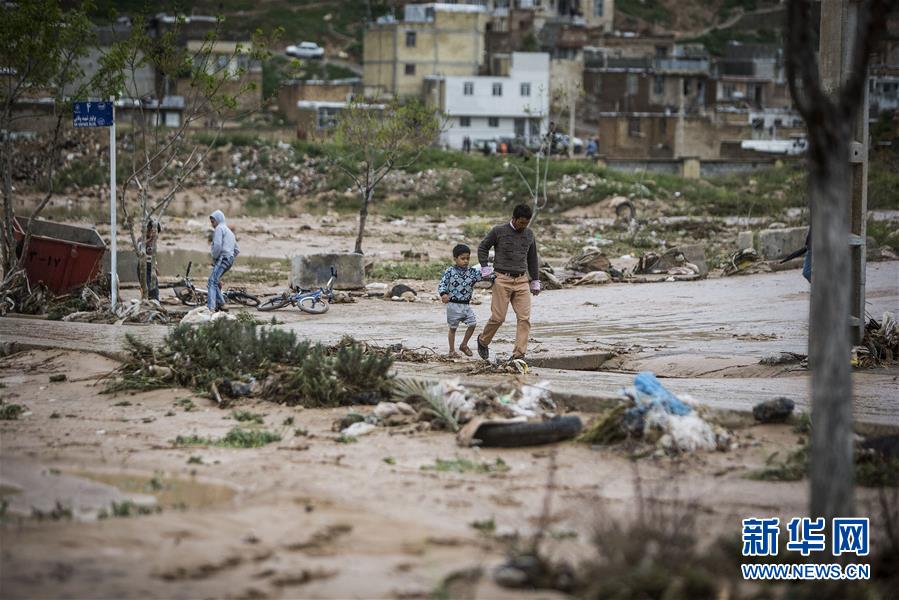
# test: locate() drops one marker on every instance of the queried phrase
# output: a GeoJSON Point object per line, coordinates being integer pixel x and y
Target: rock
{"type": "Point", "coordinates": [398, 419]}
{"type": "Point", "coordinates": [400, 289]}
{"type": "Point", "coordinates": [235, 389]}
{"type": "Point", "coordinates": [376, 289]}
{"type": "Point", "coordinates": [346, 421]}
{"type": "Point", "coordinates": [777, 225]}
{"type": "Point", "coordinates": [773, 411]}
{"type": "Point", "coordinates": [385, 409]}
{"type": "Point", "coordinates": [342, 298]}
{"type": "Point", "coordinates": [358, 429]}
{"type": "Point", "coordinates": [408, 296]}
{"type": "Point", "coordinates": [405, 408]}
{"type": "Point", "coordinates": [510, 577]}
{"type": "Point", "coordinates": [313, 270]}
{"type": "Point", "coordinates": [594, 277]}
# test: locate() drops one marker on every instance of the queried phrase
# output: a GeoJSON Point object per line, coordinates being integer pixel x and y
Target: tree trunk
{"type": "Point", "coordinates": [832, 469]}
{"type": "Point", "coordinates": [7, 253]}
{"type": "Point", "coordinates": [363, 216]}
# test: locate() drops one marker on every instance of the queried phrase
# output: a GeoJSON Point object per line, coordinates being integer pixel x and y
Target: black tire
{"type": "Point", "coordinates": [314, 306]}
{"type": "Point", "coordinates": [190, 297]}
{"type": "Point", "coordinates": [528, 434]}
{"type": "Point", "coordinates": [626, 211]}
{"type": "Point", "coordinates": [273, 303]}
{"type": "Point", "coordinates": [242, 298]}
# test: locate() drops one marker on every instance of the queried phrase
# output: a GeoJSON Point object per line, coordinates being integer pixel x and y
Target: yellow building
{"type": "Point", "coordinates": [432, 39]}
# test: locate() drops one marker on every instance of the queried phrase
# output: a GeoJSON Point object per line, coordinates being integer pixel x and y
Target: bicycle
{"type": "Point", "coordinates": [189, 295]}
{"type": "Point", "coordinates": [314, 302]}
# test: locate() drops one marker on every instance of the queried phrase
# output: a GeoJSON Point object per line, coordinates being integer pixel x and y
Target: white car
{"type": "Point", "coordinates": [306, 50]}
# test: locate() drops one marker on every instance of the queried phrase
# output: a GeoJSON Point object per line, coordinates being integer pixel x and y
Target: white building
{"type": "Point", "coordinates": [493, 108]}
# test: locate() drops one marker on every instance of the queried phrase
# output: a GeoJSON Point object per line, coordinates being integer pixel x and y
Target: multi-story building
{"type": "Point", "coordinates": [432, 39]}
{"type": "Point", "coordinates": [492, 108]}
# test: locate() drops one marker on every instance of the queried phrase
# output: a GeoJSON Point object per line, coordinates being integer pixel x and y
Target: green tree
{"type": "Point", "coordinates": [40, 48]}
{"type": "Point", "coordinates": [373, 140]}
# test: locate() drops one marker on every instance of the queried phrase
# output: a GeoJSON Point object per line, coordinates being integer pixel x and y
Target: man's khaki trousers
{"type": "Point", "coordinates": [514, 290]}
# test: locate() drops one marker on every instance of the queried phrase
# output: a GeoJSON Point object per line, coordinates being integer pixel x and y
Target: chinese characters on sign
{"type": "Point", "coordinates": [92, 114]}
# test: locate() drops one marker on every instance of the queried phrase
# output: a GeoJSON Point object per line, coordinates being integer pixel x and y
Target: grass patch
{"type": "Point", "coordinates": [463, 465]}
{"type": "Point", "coordinates": [236, 438]}
{"type": "Point", "coordinates": [389, 460]}
{"type": "Point", "coordinates": [487, 526]}
{"type": "Point", "coordinates": [59, 512]}
{"type": "Point", "coordinates": [652, 11]}
{"type": "Point", "coordinates": [246, 416]}
{"type": "Point", "coordinates": [793, 468]}
{"type": "Point", "coordinates": [11, 412]}
{"type": "Point", "coordinates": [186, 403]}
{"type": "Point", "coordinates": [127, 508]}
{"type": "Point", "coordinates": [477, 228]}
{"type": "Point", "coordinates": [195, 460]}
{"type": "Point", "coordinates": [346, 439]}
{"type": "Point", "coordinates": [408, 270]}
{"type": "Point", "coordinates": [883, 232]}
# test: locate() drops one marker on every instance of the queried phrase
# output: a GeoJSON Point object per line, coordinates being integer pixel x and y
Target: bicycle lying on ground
{"type": "Point", "coordinates": [315, 302]}
{"type": "Point", "coordinates": [189, 295]}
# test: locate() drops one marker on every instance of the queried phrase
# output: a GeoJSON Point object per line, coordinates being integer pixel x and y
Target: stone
{"type": "Point", "coordinates": [385, 409]}
{"type": "Point", "coordinates": [376, 289]}
{"type": "Point", "coordinates": [745, 240]}
{"type": "Point", "coordinates": [777, 243]}
{"type": "Point", "coordinates": [773, 411]}
{"type": "Point", "coordinates": [695, 254]}
{"type": "Point", "coordinates": [311, 271]}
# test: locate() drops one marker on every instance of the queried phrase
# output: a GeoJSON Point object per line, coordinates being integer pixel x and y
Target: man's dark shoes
{"type": "Point", "coordinates": [483, 351]}
{"type": "Point", "coordinates": [221, 308]}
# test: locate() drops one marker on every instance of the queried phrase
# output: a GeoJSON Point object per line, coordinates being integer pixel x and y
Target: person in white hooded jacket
{"type": "Point", "coordinates": [224, 250]}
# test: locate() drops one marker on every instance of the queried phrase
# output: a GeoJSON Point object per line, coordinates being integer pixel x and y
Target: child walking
{"type": "Point", "coordinates": [455, 289]}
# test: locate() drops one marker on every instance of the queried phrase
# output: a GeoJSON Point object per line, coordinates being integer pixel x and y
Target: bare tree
{"type": "Point", "coordinates": [160, 158]}
{"type": "Point", "coordinates": [829, 115]}
{"type": "Point", "coordinates": [373, 140]}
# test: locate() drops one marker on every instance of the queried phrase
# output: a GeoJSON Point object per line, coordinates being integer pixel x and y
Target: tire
{"type": "Point", "coordinates": [190, 297]}
{"type": "Point", "coordinates": [274, 303]}
{"type": "Point", "coordinates": [314, 306]}
{"type": "Point", "coordinates": [528, 434]}
{"type": "Point", "coordinates": [242, 298]}
{"type": "Point", "coordinates": [626, 211]}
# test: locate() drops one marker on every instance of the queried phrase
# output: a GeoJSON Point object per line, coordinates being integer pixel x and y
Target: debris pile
{"type": "Point", "coordinates": [658, 417]}
{"type": "Point", "coordinates": [880, 344]}
{"type": "Point", "coordinates": [671, 262]}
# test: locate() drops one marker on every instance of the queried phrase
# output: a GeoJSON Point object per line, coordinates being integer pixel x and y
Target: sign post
{"type": "Point", "coordinates": [102, 114]}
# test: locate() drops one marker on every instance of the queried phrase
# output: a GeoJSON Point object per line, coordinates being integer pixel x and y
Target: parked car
{"type": "Point", "coordinates": [306, 50]}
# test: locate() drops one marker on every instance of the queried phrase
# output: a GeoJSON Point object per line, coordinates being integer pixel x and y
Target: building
{"type": "Point", "coordinates": [432, 39]}
{"type": "Point", "coordinates": [291, 92]}
{"type": "Point", "coordinates": [317, 118]}
{"type": "Point", "coordinates": [492, 108]}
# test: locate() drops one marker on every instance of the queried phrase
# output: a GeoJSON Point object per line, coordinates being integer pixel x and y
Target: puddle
{"type": "Point", "coordinates": [169, 492]}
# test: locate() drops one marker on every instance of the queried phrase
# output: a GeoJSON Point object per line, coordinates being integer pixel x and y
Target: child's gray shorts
{"type": "Point", "coordinates": [459, 313]}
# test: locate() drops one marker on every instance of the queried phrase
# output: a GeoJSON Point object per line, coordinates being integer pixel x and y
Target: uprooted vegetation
{"type": "Point", "coordinates": [265, 360]}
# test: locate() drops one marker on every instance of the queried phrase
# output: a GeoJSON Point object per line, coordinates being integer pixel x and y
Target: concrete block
{"type": "Point", "coordinates": [777, 243]}
{"type": "Point", "coordinates": [313, 270]}
{"type": "Point", "coordinates": [695, 253]}
{"type": "Point", "coordinates": [745, 240]}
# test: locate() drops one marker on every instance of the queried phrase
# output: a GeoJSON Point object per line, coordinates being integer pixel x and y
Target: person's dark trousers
{"type": "Point", "coordinates": [807, 266]}
{"type": "Point", "coordinates": [214, 297]}
{"type": "Point", "coordinates": [152, 283]}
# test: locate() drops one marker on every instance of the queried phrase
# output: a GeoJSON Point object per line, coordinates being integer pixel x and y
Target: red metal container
{"type": "Point", "coordinates": [62, 256]}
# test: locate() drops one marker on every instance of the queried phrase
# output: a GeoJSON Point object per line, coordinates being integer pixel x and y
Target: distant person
{"type": "Point", "coordinates": [148, 242]}
{"type": "Point", "coordinates": [515, 259]}
{"type": "Point", "coordinates": [491, 145]}
{"type": "Point", "coordinates": [224, 250]}
{"type": "Point", "coordinates": [455, 289]}
{"type": "Point", "coordinates": [592, 148]}
{"type": "Point", "coordinates": [807, 251]}
{"type": "Point", "coordinates": [466, 144]}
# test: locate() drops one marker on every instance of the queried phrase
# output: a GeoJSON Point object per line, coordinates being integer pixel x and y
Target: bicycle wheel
{"type": "Point", "coordinates": [313, 305]}
{"type": "Point", "coordinates": [528, 434]}
{"type": "Point", "coordinates": [190, 297]}
{"type": "Point", "coordinates": [274, 303]}
{"type": "Point", "coordinates": [242, 298]}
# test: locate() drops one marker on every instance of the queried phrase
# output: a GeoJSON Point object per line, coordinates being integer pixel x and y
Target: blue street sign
{"type": "Point", "coordinates": [92, 114]}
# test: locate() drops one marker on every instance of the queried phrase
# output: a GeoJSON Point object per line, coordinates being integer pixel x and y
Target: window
{"type": "Point", "coordinates": [663, 126]}
{"type": "Point", "coordinates": [493, 121]}
{"type": "Point", "coordinates": [519, 127]}
{"type": "Point", "coordinates": [535, 127]}
{"type": "Point", "coordinates": [410, 39]}
{"type": "Point", "coordinates": [633, 127]}
{"type": "Point", "coordinates": [410, 69]}
{"type": "Point", "coordinates": [327, 117]}
{"type": "Point", "coordinates": [686, 87]}
{"type": "Point", "coordinates": [525, 89]}
{"type": "Point", "coordinates": [464, 121]}
{"type": "Point", "coordinates": [598, 7]}
{"type": "Point", "coordinates": [658, 85]}
{"type": "Point", "coordinates": [468, 88]}
{"type": "Point", "coordinates": [497, 89]}
{"type": "Point", "coordinates": [632, 84]}
{"type": "Point", "coordinates": [728, 90]}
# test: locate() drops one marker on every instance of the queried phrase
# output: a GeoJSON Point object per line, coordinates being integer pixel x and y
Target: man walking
{"type": "Point", "coordinates": [224, 250]}
{"type": "Point", "coordinates": [515, 258]}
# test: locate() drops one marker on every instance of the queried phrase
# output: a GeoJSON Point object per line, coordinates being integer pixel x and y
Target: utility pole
{"type": "Point", "coordinates": [839, 29]}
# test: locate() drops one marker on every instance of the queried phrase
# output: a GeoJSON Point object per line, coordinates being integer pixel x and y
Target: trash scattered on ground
{"type": "Point", "coordinates": [745, 261]}
{"type": "Point", "coordinates": [671, 262]}
{"type": "Point", "coordinates": [773, 411]}
{"type": "Point", "coordinates": [202, 314]}
{"type": "Point", "coordinates": [589, 261]}
{"type": "Point", "coordinates": [880, 344]}
{"type": "Point", "coordinates": [594, 278]}
{"type": "Point", "coordinates": [98, 309]}
{"type": "Point", "coordinates": [655, 415]}
{"type": "Point", "coordinates": [514, 367]}
{"type": "Point", "coordinates": [785, 358]}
